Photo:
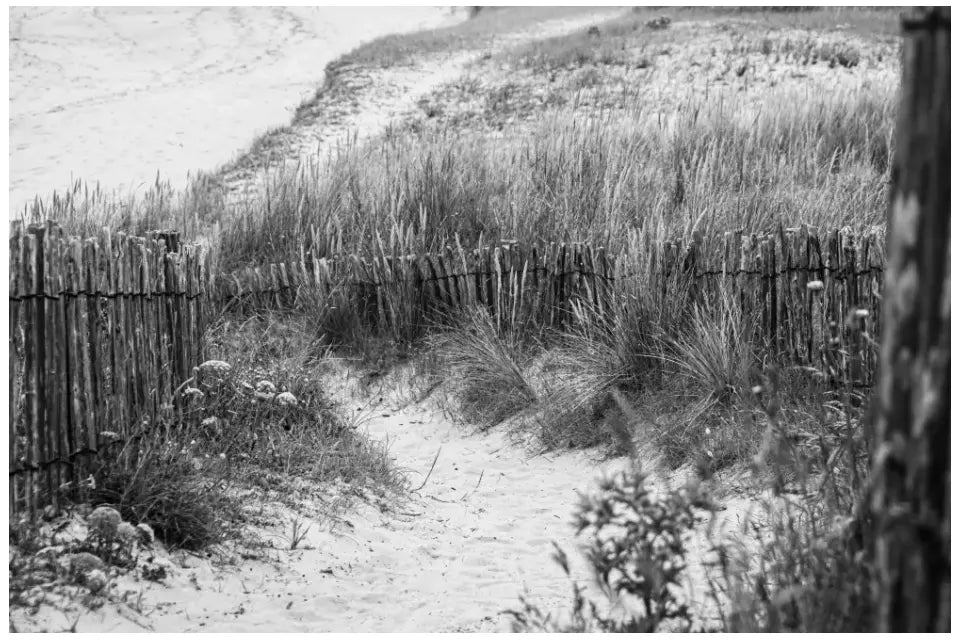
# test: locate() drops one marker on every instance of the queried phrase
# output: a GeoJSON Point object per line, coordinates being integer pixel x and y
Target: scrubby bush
{"type": "Point", "coordinates": [801, 563]}
{"type": "Point", "coordinates": [810, 568]}
{"type": "Point", "coordinates": [637, 553]}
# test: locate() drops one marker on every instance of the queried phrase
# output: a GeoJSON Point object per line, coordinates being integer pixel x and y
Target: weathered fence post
{"type": "Point", "coordinates": [910, 503]}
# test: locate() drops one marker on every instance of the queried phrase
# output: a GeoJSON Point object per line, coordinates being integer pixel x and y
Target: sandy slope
{"type": "Point", "coordinates": [376, 98]}
{"type": "Point", "coordinates": [450, 558]}
{"type": "Point", "coordinates": [117, 94]}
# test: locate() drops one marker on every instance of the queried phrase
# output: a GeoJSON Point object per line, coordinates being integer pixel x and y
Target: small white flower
{"type": "Point", "coordinates": [265, 386]}
{"type": "Point", "coordinates": [146, 533]}
{"type": "Point", "coordinates": [815, 285]}
{"type": "Point", "coordinates": [708, 431]}
{"type": "Point", "coordinates": [223, 456]}
{"type": "Point", "coordinates": [104, 522]}
{"type": "Point", "coordinates": [218, 367]}
{"type": "Point", "coordinates": [757, 389]}
{"type": "Point", "coordinates": [126, 532]}
{"type": "Point", "coordinates": [193, 393]}
{"type": "Point", "coordinates": [95, 580]}
{"type": "Point", "coordinates": [286, 398]}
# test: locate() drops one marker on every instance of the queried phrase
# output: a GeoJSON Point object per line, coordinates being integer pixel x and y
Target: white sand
{"type": "Point", "coordinates": [119, 94]}
{"type": "Point", "coordinates": [451, 558]}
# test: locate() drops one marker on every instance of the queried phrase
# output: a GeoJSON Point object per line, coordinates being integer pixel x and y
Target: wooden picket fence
{"type": "Point", "coordinates": [102, 331]}
{"type": "Point", "coordinates": [813, 298]}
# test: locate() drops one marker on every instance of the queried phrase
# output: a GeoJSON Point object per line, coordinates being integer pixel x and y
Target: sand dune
{"type": "Point", "coordinates": [119, 94]}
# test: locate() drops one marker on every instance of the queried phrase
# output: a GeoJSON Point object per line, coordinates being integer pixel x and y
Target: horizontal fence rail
{"type": "Point", "coordinates": [102, 331]}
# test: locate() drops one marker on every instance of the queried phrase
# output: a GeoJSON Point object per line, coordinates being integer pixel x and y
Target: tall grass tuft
{"type": "Point", "coordinates": [716, 352]}
{"type": "Point", "coordinates": [164, 480]}
{"type": "Point", "coordinates": [492, 385]}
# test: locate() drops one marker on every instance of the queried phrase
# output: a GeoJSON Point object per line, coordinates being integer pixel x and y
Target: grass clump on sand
{"type": "Point", "coordinates": [487, 363]}
{"type": "Point", "coordinates": [255, 416]}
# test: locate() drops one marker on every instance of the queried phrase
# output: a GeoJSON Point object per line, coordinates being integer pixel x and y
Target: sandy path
{"type": "Point", "coordinates": [451, 557]}
{"type": "Point", "coordinates": [117, 94]}
{"type": "Point", "coordinates": [459, 552]}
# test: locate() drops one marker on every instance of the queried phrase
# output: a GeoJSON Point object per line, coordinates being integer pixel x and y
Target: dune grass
{"type": "Point", "coordinates": [478, 32]}
{"type": "Point", "coordinates": [488, 362]}
{"type": "Point", "coordinates": [702, 167]}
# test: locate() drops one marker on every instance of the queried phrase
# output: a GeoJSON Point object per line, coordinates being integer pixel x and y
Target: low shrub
{"type": "Point", "coordinates": [809, 569]}
{"type": "Point", "coordinates": [801, 565]}
{"type": "Point", "coordinates": [638, 556]}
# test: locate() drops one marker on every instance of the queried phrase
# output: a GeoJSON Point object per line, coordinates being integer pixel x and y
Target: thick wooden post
{"type": "Point", "coordinates": [911, 427]}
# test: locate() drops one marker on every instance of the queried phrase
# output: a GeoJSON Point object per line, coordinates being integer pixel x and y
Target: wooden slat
{"type": "Point", "coordinates": [34, 375]}
{"type": "Point", "coordinates": [50, 446]}
{"type": "Point", "coordinates": [449, 264]}
{"type": "Point", "coordinates": [97, 360]}
{"type": "Point", "coordinates": [17, 368]}
{"type": "Point", "coordinates": [73, 253]}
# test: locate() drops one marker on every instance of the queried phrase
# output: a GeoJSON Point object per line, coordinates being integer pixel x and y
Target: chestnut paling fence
{"type": "Point", "coordinates": [815, 296]}
{"type": "Point", "coordinates": [103, 331]}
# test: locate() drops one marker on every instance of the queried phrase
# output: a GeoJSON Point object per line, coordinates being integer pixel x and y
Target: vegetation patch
{"type": "Point", "coordinates": [488, 364]}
